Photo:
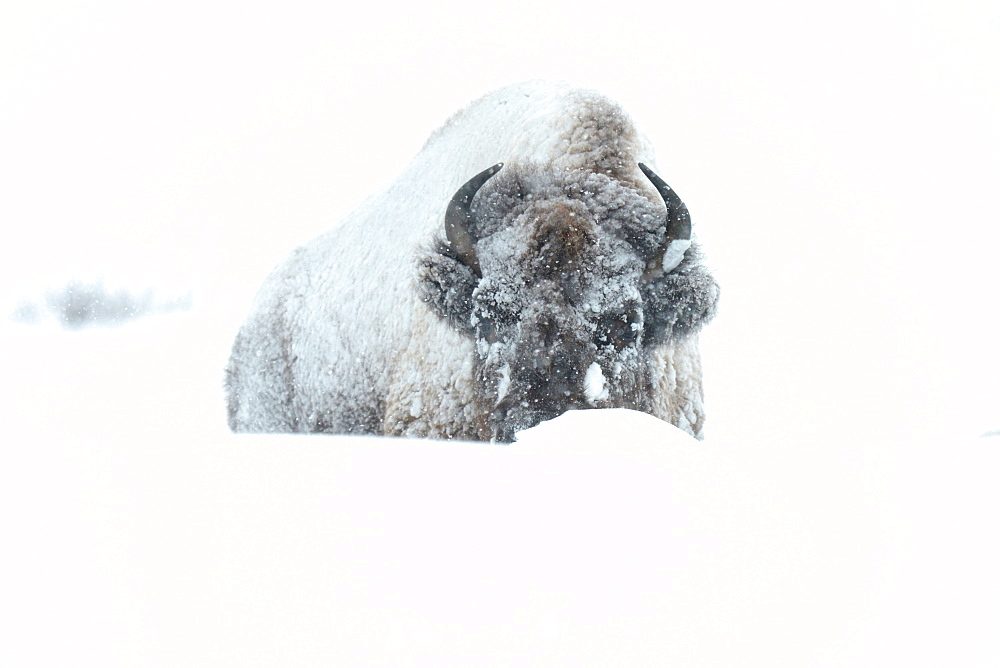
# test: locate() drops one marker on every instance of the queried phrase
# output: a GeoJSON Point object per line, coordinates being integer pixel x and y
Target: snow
{"type": "Point", "coordinates": [593, 384]}
{"type": "Point", "coordinates": [140, 531]}
{"type": "Point", "coordinates": [674, 254]}
{"type": "Point", "coordinates": [841, 510]}
{"type": "Point", "coordinates": [504, 385]}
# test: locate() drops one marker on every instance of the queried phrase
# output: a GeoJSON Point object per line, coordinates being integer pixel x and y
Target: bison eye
{"type": "Point", "coordinates": [618, 329]}
{"type": "Point", "coordinates": [488, 329]}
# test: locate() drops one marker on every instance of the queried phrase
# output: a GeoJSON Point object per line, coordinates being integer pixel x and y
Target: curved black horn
{"type": "Point", "coordinates": [678, 218]}
{"type": "Point", "coordinates": [678, 223]}
{"type": "Point", "coordinates": [459, 215]}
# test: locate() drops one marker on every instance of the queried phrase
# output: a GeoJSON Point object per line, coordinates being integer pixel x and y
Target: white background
{"type": "Point", "coordinates": [840, 162]}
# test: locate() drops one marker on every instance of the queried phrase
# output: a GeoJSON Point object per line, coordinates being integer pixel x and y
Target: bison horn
{"type": "Point", "coordinates": [459, 215]}
{"type": "Point", "coordinates": [678, 229]}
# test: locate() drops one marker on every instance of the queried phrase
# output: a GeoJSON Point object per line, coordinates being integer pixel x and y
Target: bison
{"type": "Point", "coordinates": [528, 261]}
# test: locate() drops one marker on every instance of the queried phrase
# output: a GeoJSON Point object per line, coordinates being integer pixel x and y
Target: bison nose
{"type": "Point", "coordinates": [561, 379]}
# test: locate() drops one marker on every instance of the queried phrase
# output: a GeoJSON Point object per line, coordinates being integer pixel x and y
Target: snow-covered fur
{"type": "Point", "coordinates": [562, 289]}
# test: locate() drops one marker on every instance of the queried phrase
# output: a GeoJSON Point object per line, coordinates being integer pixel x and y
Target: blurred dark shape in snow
{"type": "Point", "coordinates": [26, 312]}
{"type": "Point", "coordinates": [79, 305]}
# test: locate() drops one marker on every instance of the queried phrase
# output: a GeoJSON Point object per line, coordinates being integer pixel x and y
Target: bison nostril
{"type": "Point", "coordinates": [564, 369]}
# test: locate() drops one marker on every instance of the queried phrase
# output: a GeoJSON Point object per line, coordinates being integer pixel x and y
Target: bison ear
{"type": "Point", "coordinates": [681, 302]}
{"type": "Point", "coordinates": [678, 237]}
{"type": "Point", "coordinates": [446, 285]}
{"type": "Point", "coordinates": [459, 215]}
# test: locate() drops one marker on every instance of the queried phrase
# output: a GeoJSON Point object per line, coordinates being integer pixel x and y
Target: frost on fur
{"type": "Point", "coordinates": [473, 301]}
{"type": "Point", "coordinates": [561, 288]}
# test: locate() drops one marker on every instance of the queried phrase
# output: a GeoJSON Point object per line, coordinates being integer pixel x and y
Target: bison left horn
{"type": "Point", "coordinates": [678, 229]}
{"type": "Point", "coordinates": [459, 215]}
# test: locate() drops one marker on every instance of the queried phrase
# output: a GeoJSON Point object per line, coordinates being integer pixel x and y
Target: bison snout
{"type": "Point", "coordinates": [553, 376]}
{"type": "Point", "coordinates": [539, 394]}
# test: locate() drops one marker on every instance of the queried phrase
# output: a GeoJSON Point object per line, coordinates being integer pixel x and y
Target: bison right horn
{"type": "Point", "coordinates": [678, 237]}
{"type": "Point", "coordinates": [459, 215]}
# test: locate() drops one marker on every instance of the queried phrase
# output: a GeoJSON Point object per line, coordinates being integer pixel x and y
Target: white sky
{"type": "Point", "coordinates": [839, 160]}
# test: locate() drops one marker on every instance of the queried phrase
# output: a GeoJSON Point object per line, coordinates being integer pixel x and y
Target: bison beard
{"type": "Point", "coordinates": [565, 277]}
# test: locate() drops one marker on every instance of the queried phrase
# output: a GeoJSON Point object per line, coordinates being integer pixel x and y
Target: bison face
{"type": "Point", "coordinates": [565, 282]}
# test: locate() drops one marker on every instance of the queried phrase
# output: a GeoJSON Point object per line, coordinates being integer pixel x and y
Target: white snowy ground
{"type": "Point", "coordinates": [841, 164]}
{"type": "Point", "coordinates": [138, 531]}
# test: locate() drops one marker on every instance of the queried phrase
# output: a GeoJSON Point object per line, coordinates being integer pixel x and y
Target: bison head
{"type": "Point", "coordinates": [566, 281]}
